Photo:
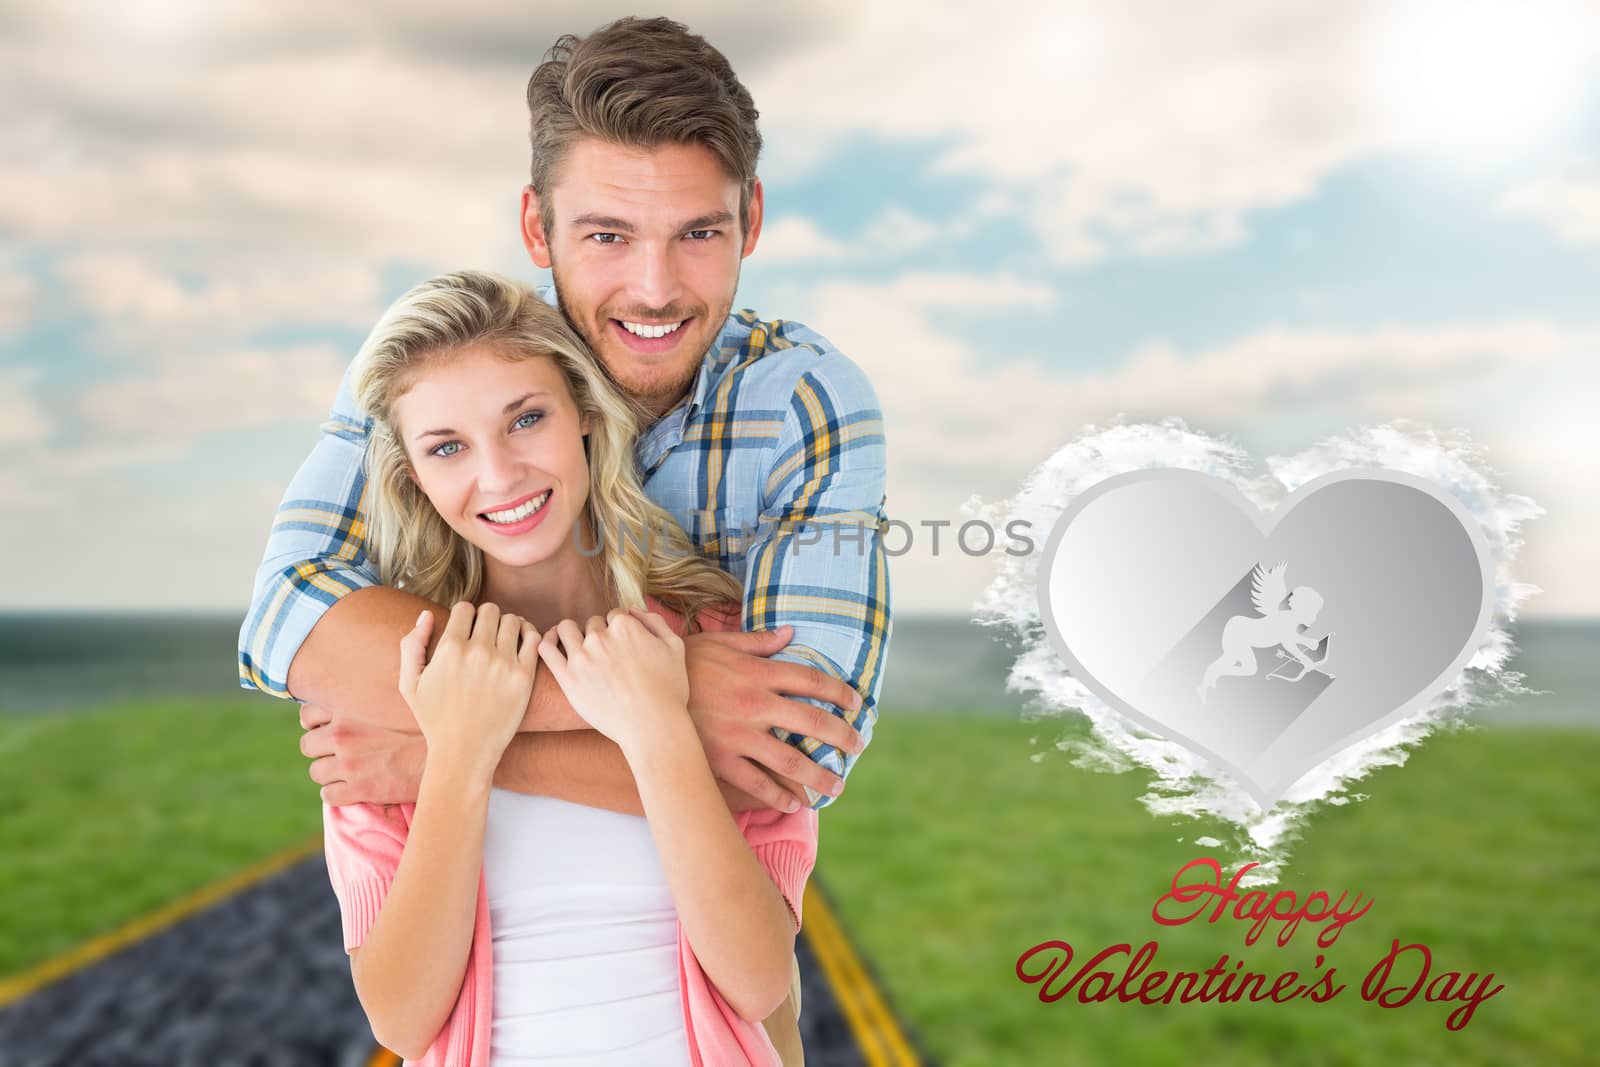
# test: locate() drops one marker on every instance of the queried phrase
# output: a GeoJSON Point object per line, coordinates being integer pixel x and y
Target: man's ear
{"type": "Point", "coordinates": [534, 238]}
{"type": "Point", "coordinates": [753, 229]}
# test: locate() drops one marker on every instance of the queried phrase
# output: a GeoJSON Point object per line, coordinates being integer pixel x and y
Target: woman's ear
{"type": "Point", "coordinates": [583, 424]}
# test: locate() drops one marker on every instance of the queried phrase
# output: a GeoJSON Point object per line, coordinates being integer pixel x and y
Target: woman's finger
{"type": "Point", "coordinates": [459, 626]}
{"type": "Point", "coordinates": [510, 629]}
{"type": "Point", "coordinates": [554, 658]}
{"type": "Point", "coordinates": [655, 624]}
{"type": "Point", "coordinates": [528, 653]}
{"type": "Point", "coordinates": [487, 626]}
{"type": "Point", "coordinates": [571, 636]}
{"type": "Point", "coordinates": [596, 624]}
{"type": "Point", "coordinates": [413, 646]}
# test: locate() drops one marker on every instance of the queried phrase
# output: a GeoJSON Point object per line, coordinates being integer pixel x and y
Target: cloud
{"type": "Point", "coordinates": [795, 239]}
{"type": "Point", "coordinates": [186, 398]}
{"type": "Point", "coordinates": [1567, 205]}
{"type": "Point", "coordinates": [21, 416]}
{"type": "Point", "coordinates": [892, 234]}
{"type": "Point", "coordinates": [1143, 128]}
{"type": "Point", "coordinates": [148, 306]}
{"type": "Point", "coordinates": [18, 295]}
{"type": "Point", "coordinates": [963, 419]}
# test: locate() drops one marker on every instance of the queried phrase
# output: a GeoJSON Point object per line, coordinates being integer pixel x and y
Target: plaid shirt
{"type": "Point", "coordinates": [773, 463]}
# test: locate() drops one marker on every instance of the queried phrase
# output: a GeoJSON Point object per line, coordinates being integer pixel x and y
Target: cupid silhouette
{"type": "Point", "coordinates": [1277, 626]}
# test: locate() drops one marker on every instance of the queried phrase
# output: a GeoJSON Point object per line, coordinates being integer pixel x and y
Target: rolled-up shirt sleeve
{"type": "Point", "coordinates": [316, 550]}
{"type": "Point", "coordinates": [817, 560]}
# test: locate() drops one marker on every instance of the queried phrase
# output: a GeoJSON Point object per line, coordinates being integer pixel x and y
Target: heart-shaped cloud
{"type": "Point", "coordinates": [1140, 588]}
{"type": "Point", "coordinates": [1266, 642]}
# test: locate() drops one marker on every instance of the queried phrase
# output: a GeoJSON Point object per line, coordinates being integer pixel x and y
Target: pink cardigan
{"type": "Point", "coordinates": [363, 843]}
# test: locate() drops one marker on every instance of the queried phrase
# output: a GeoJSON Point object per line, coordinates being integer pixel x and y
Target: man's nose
{"type": "Point", "coordinates": [655, 280]}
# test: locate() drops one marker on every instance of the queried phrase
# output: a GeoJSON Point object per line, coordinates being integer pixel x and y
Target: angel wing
{"type": "Point", "coordinates": [1268, 588]}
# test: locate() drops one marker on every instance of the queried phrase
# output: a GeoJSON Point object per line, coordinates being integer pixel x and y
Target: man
{"type": "Point", "coordinates": [766, 445]}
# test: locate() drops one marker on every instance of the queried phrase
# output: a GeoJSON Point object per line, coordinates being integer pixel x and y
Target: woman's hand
{"type": "Point", "coordinates": [624, 673]}
{"type": "Point", "coordinates": [472, 695]}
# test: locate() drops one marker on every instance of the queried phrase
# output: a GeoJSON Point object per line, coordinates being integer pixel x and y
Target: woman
{"type": "Point", "coordinates": [500, 456]}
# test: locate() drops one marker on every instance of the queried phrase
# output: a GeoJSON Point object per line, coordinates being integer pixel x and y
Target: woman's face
{"type": "Point", "coordinates": [497, 446]}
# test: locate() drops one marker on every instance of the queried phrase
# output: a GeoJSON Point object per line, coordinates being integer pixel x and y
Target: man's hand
{"type": "Point", "coordinates": [358, 763]}
{"type": "Point", "coordinates": [736, 694]}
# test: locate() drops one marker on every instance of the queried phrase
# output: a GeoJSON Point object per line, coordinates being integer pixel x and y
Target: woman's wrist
{"type": "Point", "coordinates": [657, 729]}
{"type": "Point", "coordinates": [459, 770]}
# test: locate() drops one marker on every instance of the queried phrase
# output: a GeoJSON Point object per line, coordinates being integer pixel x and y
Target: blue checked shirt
{"type": "Point", "coordinates": [773, 463]}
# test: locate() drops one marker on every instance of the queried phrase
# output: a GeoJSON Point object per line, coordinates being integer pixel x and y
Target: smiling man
{"type": "Point", "coordinates": [760, 438]}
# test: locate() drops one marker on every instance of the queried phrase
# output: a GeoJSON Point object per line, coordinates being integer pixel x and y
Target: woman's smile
{"type": "Point", "coordinates": [522, 516]}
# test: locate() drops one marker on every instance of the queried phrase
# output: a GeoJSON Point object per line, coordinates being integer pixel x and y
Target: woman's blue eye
{"type": "Point", "coordinates": [440, 451]}
{"type": "Point", "coordinates": [534, 415]}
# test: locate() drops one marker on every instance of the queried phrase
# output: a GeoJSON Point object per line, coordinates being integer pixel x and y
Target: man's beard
{"type": "Point", "coordinates": [659, 396]}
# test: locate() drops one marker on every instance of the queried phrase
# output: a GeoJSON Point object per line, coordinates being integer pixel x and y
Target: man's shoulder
{"type": "Point", "coordinates": [770, 360]}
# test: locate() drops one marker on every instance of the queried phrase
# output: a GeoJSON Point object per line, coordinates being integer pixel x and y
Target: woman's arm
{"type": "Point", "coordinates": [467, 701]}
{"type": "Point", "coordinates": [734, 917]}
{"type": "Point", "coordinates": [626, 677]}
{"type": "Point", "coordinates": [409, 969]}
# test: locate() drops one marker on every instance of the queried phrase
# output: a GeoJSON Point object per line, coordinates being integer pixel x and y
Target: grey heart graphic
{"type": "Point", "coordinates": [1266, 642]}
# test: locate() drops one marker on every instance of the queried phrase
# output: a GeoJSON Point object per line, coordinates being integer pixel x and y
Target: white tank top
{"type": "Point", "coordinates": [585, 938]}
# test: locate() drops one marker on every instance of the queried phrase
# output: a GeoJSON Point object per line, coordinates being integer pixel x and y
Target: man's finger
{"type": "Point", "coordinates": [786, 760]}
{"type": "Point", "coordinates": [750, 778]}
{"type": "Point", "coordinates": [754, 642]}
{"type": "Point", "coordinates": [799, 680]}
{"type": "Point", "coordinates": [336, 794]}
{"type": "Point", "coordinates": [314, 715]}
{"type": "Point", "coordinates": [808, 720]}
{"type": "Point", "coordinates": [326, 770]}
{"type": "Point", "coordinates": [316, 742]}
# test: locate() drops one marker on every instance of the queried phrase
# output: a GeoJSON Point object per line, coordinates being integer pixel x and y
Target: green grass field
{"type": "Point", "coordinates": [950, 853]}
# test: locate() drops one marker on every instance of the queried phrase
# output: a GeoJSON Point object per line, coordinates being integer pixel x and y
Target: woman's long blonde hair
{"type": "Point", "coordinates": [642, 549]}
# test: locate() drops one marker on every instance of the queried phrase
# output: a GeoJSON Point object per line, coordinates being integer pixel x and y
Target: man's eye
{"type": "Point", "coordinates": [606, 238]}
{"type": "Point", "coordinates": [701, 235]}
{"type": "Point", "coordinates": [453, 446]}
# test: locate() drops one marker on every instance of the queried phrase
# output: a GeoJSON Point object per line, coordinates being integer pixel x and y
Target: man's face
{"type": "Point", "coordinates": [645, 246]}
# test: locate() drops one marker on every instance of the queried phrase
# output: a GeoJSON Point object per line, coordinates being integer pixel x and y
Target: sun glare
{"type": "Point", "coordinates": [1483, 77]}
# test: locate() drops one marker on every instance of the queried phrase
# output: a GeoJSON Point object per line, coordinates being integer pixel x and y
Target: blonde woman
{"type": "Point", "coordinates": [491, 927]}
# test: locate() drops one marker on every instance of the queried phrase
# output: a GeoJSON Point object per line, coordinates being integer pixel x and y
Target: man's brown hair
{"type": "Point", "coordinates": [641, 83]}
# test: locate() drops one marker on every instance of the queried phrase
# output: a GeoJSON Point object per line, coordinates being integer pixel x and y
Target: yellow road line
{"type": "Point", "coordinates": [98, 948]}
{"type": "Point", "coordinates": [878, 1035]}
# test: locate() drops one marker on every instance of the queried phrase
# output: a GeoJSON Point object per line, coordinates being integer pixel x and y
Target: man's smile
{"type": "Point", "coordinates": [649, 338]}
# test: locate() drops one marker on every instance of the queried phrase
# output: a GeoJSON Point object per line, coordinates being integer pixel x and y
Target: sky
{"type": "Point", "coordinates": [1275, 221]}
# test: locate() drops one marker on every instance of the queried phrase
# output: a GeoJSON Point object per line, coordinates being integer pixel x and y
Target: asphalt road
{"type": "Point", "coordinates": [259, 980]}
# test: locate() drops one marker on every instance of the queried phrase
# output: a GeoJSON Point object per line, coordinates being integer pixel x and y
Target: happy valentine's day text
{"type": "Point", "coordinates": [1196, 885]}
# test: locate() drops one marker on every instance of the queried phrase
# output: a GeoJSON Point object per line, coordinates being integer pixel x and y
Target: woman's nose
{"type": "Point", "coordinates": [498, 470]}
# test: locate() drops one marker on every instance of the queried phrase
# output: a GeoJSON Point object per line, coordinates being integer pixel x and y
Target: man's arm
{"type": "Point", "coordinates": [817, 561]}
